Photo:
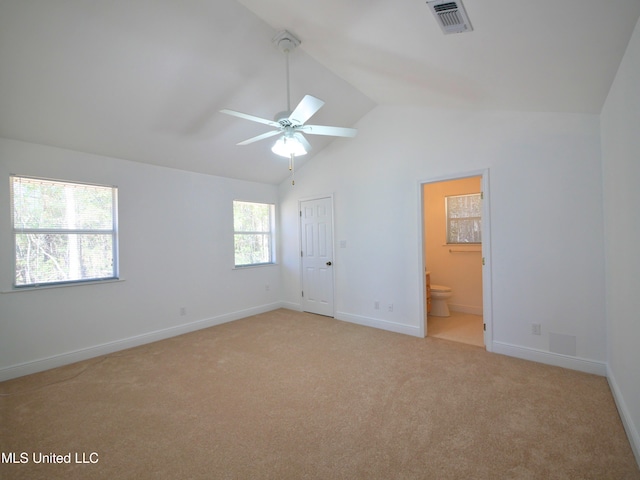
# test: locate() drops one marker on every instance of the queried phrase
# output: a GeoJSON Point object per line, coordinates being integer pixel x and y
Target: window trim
{"type": "Point", "coordinates": [271, 235]}
{"type": "Point", "coordinates": [114, 233]}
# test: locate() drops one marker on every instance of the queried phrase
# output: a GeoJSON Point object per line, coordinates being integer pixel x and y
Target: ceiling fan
{"type": "Point", "coordinates": [290, 124]}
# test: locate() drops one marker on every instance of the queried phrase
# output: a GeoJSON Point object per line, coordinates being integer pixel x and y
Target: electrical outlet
{"type": "Point", "coordinates": [376, 305]}
{"type": "Point", "coordinates": [536, 329]}
{"type": "Point", "coordinates": [390, 307]}
{"type": "Point", "coordinates": [267, 288]}
{"type": "Point", "coordinates": [183, 311]}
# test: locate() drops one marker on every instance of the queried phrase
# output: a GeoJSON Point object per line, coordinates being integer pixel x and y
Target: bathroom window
{"type": "Point", "coordinates": [63, 232]}
{"type": "Point", "coordinates": [464, 218]}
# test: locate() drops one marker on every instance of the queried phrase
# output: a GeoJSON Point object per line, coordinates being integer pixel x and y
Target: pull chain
{"type": "Point", "coordinates": [291, 168]}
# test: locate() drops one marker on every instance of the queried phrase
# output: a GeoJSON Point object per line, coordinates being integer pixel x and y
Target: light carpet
{"type": "Point", "coordinates": [289, 395]}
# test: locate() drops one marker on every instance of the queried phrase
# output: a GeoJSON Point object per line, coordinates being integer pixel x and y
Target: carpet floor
{"type": "Point", "coordinates": [289, 395]}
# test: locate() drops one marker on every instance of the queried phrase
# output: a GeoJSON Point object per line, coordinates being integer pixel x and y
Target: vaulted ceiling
{"type": "Point", "coordinates": [144, 80]}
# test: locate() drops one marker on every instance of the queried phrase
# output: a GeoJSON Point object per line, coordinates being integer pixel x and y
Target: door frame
{"type": "Point", "coordinates": [487, 296]}
{"type": "Point", "coordinates": [333, 247]}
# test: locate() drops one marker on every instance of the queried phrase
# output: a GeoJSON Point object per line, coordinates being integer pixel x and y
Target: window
{"type": "Point", "coordinates": [464, 218]}
{"type": "Point", "coordinates": [253, 225]}
{"type": "Point", "coordinates": [63, 232]}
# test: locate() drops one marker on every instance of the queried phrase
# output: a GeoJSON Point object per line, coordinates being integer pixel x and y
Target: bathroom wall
{"type": "Point", "coordinates": [460, 269]}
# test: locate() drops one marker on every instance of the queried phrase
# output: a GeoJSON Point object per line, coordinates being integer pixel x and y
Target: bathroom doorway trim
{"type": "Point", "coordinates": [487, 304]}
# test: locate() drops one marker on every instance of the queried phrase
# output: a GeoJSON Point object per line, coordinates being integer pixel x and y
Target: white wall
{"type": "Point", "coordinates": [176, 250]}
{"type": "Point", "coordinates": [546, 220]}
{"type": "Point", "coordinates": [456, 266]}
{"type": "Point", "coordinates": [620, 119]}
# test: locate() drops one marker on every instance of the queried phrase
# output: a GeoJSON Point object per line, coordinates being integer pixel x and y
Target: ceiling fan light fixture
{"type": "Point", "coordinates": [291, 124]}
{"type": "Point", "coordinates": [286, 146]}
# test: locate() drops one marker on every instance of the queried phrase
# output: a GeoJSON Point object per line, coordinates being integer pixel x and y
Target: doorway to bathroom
{"type": "Point", "coordinates": [455, 240]}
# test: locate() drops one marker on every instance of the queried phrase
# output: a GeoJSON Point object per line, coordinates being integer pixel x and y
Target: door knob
{"type": "Point", "coordinates": [329, 263]}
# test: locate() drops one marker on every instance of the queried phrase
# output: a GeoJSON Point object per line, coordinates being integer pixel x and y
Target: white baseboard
{"type": "Point", "coordinates": [550, 358]}
{"type": "Point", "coordinates": [292, 306]}
{"type": "Point", "coordinates": [365, 321]}
{"type": "Point", "coordinates": [67, 358]}
{"type": "Point", "coordinates": [465, 309]}
{"type": "Point", "coordinates": [627, 420]}
{"type": "Point", "coordinates": [377, 323]}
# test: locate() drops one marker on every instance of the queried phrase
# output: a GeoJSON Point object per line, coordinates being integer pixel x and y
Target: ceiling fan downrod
{"type": "Point", "coordinates": [286, 43]}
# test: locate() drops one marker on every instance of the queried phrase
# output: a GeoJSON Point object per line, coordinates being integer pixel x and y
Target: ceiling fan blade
{"type": "Point", "coordinates": [251, 117]}
{"type": "Point", "coordinates": [307, 107]}
{"type": "Point", "coordinates": [325, 130]}
{"type": "Point", "coordinates": [305, 143]}
{"type": "Point", "coordinates": [260, 137]}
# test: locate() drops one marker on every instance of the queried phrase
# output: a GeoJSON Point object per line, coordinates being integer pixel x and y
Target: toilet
{"type": "Point", "coordinates": [439, 296]}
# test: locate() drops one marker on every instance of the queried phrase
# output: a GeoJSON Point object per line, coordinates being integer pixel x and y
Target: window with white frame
{"type": "Point", "coordinates": [64, 232]}
{"type": "Point", "coordinates": [464, 218]}
{"type": "Point", "coordinates": [253, 225]}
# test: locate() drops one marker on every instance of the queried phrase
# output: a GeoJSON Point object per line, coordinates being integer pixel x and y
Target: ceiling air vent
{"type": "Point", "coordinates": [451, 16]}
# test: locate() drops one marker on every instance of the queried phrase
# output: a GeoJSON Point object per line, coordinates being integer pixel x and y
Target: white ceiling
{"type": "Point", "coordinates": [144, 80]}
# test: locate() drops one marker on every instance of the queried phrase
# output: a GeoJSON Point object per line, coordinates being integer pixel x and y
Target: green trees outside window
{"type": "Point", "coordinates": [253, 225]}
{"type": "Point", "coordinates": [63, 232]}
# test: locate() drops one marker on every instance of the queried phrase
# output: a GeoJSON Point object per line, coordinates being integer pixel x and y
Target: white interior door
{"type": "Point", "coordinates": [316, 225]}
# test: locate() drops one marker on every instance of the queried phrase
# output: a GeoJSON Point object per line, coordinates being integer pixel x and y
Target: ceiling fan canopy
{"type": "Point", "coordinates": [291, 125]}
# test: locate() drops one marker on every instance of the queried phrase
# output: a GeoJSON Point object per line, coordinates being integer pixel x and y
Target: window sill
{"type": "Point", "coordinates": [61, 285]}
{"type": "Point", "coordinates": [463, 248]}
{"type": "Point", "coordinates": [257, 265]}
